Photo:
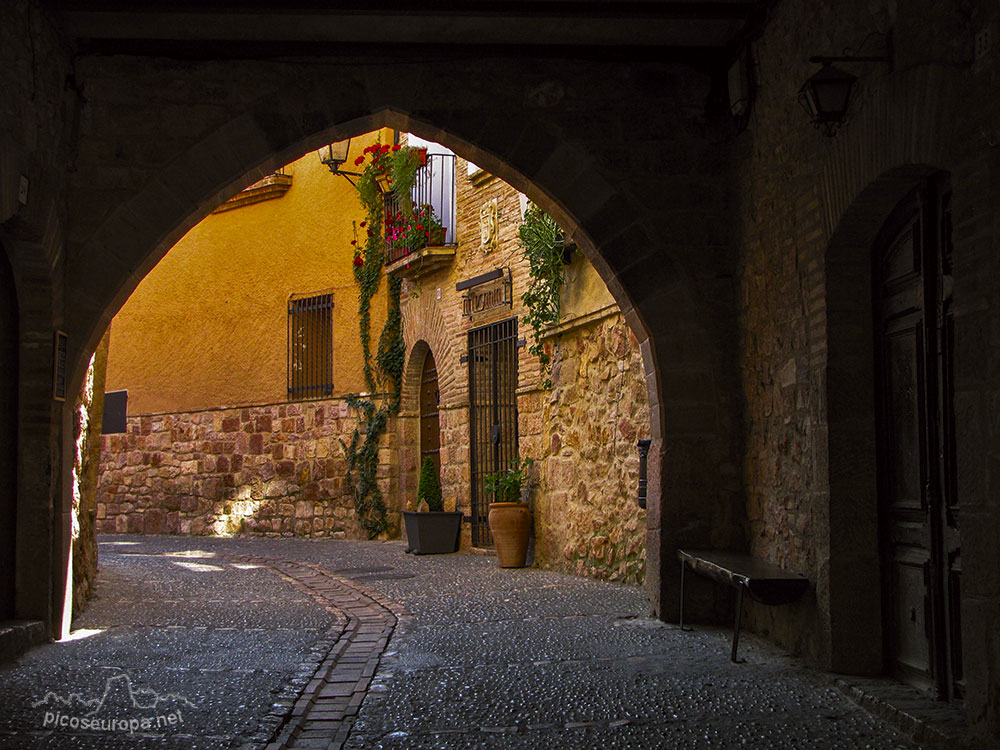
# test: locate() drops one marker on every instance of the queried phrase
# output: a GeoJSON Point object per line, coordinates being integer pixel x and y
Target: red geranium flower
{"type": "Point", "coordinates": [358, 262]}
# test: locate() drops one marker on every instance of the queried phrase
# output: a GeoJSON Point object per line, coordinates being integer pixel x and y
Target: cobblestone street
{"type": "Point", "coordinates": [363, 646]}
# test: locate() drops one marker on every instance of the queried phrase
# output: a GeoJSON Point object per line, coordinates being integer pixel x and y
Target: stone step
{"type": "Point", "coordinates": [17, 636]}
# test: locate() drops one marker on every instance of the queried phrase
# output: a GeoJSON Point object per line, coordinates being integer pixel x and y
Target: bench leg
{"type": "Point", "coordinates": [736, 625]}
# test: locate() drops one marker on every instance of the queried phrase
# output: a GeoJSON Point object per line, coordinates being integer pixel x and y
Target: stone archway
{"type": "Point", "coordinates": [647, 239]}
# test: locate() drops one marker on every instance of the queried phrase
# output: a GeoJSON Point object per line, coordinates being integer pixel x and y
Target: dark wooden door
{"type": "Point", "coordinates": [918, 508]}
{"type": "Point", "coordinates": [430, 424]}
{"type": "Point", "coordinates": [492, 414]}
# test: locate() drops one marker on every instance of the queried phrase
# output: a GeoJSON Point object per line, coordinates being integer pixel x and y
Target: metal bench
{"type": "Point", "coordinates": [766, 583]}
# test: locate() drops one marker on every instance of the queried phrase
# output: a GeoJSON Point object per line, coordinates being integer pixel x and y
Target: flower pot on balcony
{"type": "Point", "coordinates": [422, 156]}
{"type": "Point", "coordinates": [510, 525]}
{"type": "Point", "coordinates": [436, 237]}
{"type": "Point", "coordinates": [432, 532]}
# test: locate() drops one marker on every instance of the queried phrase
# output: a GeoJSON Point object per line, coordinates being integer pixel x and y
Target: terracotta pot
{"type": "Point", "coordinates": [510, 524]}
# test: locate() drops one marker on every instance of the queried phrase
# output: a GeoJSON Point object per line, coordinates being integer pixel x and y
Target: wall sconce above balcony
{"type": "Point", "coordinates": [334, 155]}
{"type": "Point", "coordinates": [826, 95]}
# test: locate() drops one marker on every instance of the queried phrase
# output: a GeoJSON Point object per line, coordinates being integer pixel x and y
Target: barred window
{"type": "Point", "coordinates": [310, 346]}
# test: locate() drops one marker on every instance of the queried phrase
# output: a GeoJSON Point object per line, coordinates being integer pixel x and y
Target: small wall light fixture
{"type": "Point", "coordinates": [334, 155]}
{"type": "Point", "coordinates": [826, 95]}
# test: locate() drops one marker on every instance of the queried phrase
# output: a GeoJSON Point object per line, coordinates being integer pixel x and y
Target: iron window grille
{"type": "Point", "coordinates": [310, 347]}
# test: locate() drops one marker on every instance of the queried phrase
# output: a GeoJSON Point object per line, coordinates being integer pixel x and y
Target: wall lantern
{"type": "Point", "coordinates": [334, 155]}
{"type": "Point", "coordinates": [826, 95]}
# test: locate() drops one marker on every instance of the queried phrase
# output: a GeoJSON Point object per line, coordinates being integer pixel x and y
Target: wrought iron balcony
{"type": "Point", "coordinates": [409, 250]}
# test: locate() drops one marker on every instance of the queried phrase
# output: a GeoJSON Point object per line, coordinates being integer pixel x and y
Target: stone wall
{"type": "Point", "coordinates": [595, 412]}
{"type": "Point", "coordinates": [89, 415]}
{"type": "Point", "coordinates": [581, 433]}
{"type": "Point", "coordinates": [275, 470]}
{"type": "Point", "coordinates": [39, 110]}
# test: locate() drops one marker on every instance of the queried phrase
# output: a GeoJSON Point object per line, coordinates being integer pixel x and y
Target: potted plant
{"type": "Point", "coordinates": [510, 516]}
{"type": "Point", "coordinates": [431, 530]}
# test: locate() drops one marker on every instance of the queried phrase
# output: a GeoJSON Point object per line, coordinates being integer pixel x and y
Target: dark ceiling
{"type": "Point", "coordinates": [649, 29]}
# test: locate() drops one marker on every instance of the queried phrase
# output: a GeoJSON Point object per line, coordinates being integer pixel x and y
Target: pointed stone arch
{"type": "Point", "coordinates": [663, 251]}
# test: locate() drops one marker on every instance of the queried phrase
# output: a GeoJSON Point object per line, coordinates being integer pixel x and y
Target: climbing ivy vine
{"type": "Point", "coordinates": [384, 370]}
{"type": "Point", "coordinates": [545, 249]}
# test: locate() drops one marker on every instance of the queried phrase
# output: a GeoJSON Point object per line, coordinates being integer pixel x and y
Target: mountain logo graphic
{"type": "Point", "coordinates": [121, 707]}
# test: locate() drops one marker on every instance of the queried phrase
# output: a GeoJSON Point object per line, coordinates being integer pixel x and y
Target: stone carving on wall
{"type": "Point", "coordinates": [489, 226]}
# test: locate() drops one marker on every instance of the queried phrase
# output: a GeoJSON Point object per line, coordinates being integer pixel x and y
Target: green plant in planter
{"type": "Point", "coordinates": [404, 163]}
{"type": "Point", "coordinates": [505, 485]}
{"type": "Point", "coordinates": [429, 486]}
{"type": "Point", "coordinates": [545, 249]}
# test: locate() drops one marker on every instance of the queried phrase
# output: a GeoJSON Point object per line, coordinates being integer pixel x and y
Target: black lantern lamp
{"type": "Point", "coordinates": [826, 97]}
{"type": "Point", "coordinates": [334, 155]}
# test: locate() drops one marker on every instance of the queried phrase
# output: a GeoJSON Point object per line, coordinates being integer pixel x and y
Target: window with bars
{"type": "Point", "coordinates": [310, 346]}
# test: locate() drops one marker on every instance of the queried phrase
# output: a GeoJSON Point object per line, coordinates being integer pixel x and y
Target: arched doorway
{"type": "Point", "coordinates": [918, 504]}
{"type": "Point", "coordinates": [8, 434]}
{"type": "Point", "coordinates": [430, 424]}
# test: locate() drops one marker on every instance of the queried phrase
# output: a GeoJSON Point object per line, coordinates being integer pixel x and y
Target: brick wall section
{"type": "Point", "coordinates": [274, 470]}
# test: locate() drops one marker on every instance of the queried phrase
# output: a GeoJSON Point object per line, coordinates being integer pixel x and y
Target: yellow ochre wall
{"type": "Point", "coordinates": [207, 327]}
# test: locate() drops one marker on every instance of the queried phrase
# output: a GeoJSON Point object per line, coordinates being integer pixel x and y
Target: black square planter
{"type": "Point", "coordinates": [434, 532]}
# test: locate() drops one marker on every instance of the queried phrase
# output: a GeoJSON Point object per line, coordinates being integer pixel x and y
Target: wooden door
{"type": "Point", "coordinates": [430, 425]}
{"type": "Point", "coordinates": [918, 508]}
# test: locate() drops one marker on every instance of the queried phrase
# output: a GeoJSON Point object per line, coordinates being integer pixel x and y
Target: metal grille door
{"type": "Point", "coordinates": [492, 413]}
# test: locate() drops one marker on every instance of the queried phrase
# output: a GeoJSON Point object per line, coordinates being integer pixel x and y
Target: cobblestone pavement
{"type": "Point", "coordinates": [360, 645]}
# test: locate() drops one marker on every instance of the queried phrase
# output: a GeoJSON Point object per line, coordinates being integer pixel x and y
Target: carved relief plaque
{"type": "Point", "coordinates": [489, 226]}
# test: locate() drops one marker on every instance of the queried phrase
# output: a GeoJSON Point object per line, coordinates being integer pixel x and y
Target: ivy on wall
{"type": "Point", "coordinates": [384, 370]}
{"type": "Point", "coordinates": [545, 250]}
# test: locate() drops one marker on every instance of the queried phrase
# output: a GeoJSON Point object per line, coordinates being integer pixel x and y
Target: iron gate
{"type": "Point", "coordinates": [492, 413]}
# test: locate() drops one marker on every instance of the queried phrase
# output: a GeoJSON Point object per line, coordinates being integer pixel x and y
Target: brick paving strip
{"type": "Point", "coordinates": [323, 714]}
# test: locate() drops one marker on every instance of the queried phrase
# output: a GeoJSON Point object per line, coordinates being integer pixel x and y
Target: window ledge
{"type": "Point", "coordinates": [271, 187]}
